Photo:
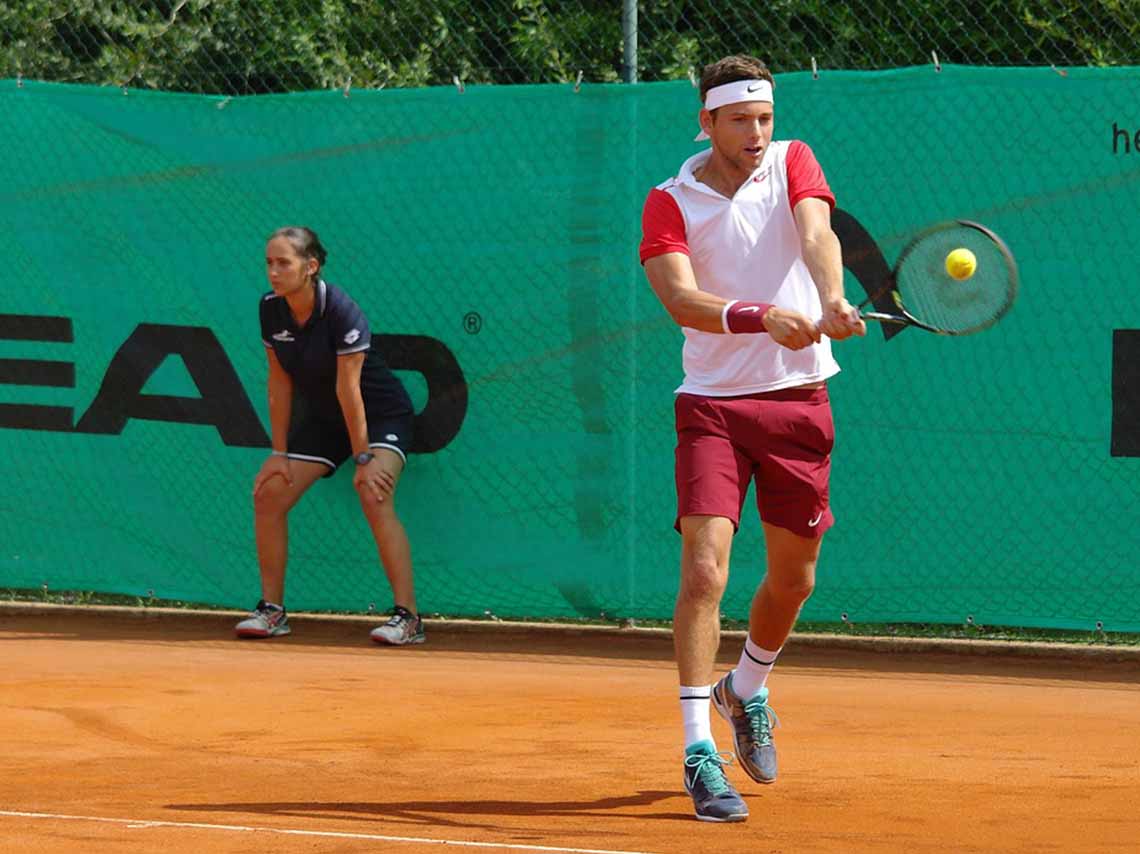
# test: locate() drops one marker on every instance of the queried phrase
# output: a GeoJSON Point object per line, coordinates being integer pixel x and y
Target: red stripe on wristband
{"type": "Point", "coordinates": [746, 317]}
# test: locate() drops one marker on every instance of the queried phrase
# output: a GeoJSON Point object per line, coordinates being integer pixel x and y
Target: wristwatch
{"type": "Point", "coordinates": [364, 458]}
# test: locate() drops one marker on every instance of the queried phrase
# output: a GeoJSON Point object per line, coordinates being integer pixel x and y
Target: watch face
{"type": "Point", "coordinates": [362, 459]}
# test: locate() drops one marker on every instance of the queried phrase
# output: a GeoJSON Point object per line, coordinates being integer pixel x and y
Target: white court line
{"type": "Point", "coordinates": [145, 823]}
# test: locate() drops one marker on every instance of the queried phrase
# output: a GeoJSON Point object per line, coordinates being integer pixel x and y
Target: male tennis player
{"type": "Point", "coordinates": [739, 249]}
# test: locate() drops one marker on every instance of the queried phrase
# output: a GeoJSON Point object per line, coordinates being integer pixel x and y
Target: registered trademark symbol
{"type": "Point", "coordinates": [472, 322]}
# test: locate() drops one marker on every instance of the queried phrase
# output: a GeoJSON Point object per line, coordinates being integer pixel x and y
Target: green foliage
{"type": "Point", "coordinates": [253, 46]}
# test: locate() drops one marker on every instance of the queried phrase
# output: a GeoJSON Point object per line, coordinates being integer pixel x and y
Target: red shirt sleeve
{"type": "Point", "coordinates": [662, 226]}
{"type": "Point", "coordinates": [805, 177]}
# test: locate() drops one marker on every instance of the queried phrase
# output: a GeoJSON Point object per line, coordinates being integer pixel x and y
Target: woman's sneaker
{"type": "Point", "coordinates": [265, 621]}
{"type": "Point", "coordinates": [402, 628]}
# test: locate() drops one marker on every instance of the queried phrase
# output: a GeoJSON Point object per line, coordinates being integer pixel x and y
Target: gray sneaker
{"type": "Point", "coordinates": [265, 621]}
{"type": "Point", "coordinates": [402, 628]}
{"type": "Point", "coordinates": [752, 721]}
{"type": "Point", "coordinates": [714, 799]}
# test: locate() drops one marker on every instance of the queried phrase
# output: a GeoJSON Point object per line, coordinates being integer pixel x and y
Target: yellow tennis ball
{"type": "Point", "coordinates": [961, 264]}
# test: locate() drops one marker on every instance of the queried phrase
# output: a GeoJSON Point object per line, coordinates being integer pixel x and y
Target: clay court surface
{"type": "Point", "coordinates": [165, 735]}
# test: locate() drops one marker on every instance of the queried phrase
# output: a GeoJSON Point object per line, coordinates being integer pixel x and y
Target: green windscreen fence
{"type": "Point", "coordinates": [491, 237]}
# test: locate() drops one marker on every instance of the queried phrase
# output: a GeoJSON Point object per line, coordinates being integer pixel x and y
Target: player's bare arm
{"type": "Point", "coordinates": [351, 402]}
{"type": "Point", "coordinates": [280, 388]}
{"type": "Point", "coordinates": [280, 402]}
{"type": "Point", "coordinates": [379, 481]}
{"type": "Point", "coordinates": [824, 259]}
{"type": "Point", "coordinates": [672, 279]}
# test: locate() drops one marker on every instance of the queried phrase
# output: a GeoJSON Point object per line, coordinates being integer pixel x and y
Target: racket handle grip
{"type": "Point", "coordinates": [883, 318]}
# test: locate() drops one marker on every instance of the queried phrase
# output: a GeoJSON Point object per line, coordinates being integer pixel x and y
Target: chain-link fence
{"type": "Point", "coordinates": [502, 224]}
{"type": "Point", "coordinates": [237, 47]}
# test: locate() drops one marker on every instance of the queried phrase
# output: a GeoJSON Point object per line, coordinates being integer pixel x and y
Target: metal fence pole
{"type": "Point", "coordinates": [629, 41]}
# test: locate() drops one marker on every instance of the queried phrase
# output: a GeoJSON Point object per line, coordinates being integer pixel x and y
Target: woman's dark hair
{"type": "Point", "coordinates": [304, 242]}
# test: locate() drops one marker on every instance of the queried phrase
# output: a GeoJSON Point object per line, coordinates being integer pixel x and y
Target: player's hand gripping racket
{"type": "Point", "coordinates": [938, 287]}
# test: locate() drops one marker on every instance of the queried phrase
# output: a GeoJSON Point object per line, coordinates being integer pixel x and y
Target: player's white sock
{"type": "Point", "coordinates": [695, 713]}
{"type": "Point", "coordinates": [752, 671]}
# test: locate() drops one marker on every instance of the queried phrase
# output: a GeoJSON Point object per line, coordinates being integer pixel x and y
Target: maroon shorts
{"type": "Point", "coordinates": [783, 439]}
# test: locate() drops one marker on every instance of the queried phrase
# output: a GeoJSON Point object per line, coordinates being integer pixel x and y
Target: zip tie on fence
{"type": "Point", "coordinates": [224, 101]}
{"type": "Point", "coordinates": [1060, 71]}
{"type": "Point", "coordinates": [124, 84]}
{"type": "Point", "coordinates": [937, 64]}
{"type": "Point", "coordinates": [578, 83]}
{"type": "Point", "coordinates": [458, 83]}
{"type": "Point", "coordinates": [693, 78]}
{"type": "Point", "coordinates": [814, 69]}
{"type": "Point", "coordinates": [347, 86]}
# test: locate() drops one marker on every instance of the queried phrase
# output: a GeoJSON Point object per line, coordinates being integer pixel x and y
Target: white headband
{"type": "Point", "coordinates": [735, 93]}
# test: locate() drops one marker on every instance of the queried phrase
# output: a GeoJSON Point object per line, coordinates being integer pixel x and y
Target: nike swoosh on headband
{"type": "Point", "coordinates": [734, 93]}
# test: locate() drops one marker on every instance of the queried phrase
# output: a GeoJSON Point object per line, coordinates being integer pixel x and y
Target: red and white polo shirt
{"type": "Point", "coordinates": [743, 248]}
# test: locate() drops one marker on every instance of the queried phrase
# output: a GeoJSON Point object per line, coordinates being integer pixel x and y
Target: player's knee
{"type": "Point", "coordinates": [703, 580]}
{"type": "Point", "coordinates": [792, 590]}
{"type": "Point", "coordinates": [272, 499]}
{"type": "Point", "coordinates": [367, 496]}
{"type": "Point", "coordinates": [382, 512]}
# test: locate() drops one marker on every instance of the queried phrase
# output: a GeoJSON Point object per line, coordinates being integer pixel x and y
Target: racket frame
{"type": "Point", "coordinates": [905, 318]}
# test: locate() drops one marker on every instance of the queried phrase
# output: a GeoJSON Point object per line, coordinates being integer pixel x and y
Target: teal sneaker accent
{"type": "Point", "coordinates": [752, 721]}
{"type": "Point", "coordinates": [714, 799]}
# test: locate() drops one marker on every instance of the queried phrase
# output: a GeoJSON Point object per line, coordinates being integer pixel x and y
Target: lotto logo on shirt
{"type": "Point", "coordinates": [352, 336]}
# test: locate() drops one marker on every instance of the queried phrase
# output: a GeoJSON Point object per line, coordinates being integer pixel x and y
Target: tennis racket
{"type": "Point", "coordinates": [928, 297]}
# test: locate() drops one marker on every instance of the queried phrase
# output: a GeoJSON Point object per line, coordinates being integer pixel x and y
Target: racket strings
{"type": "Point", "coordinates": [929, 293]}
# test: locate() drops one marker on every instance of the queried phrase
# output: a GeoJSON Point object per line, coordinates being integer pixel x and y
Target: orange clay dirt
{"type": "Point", "coordinates": [163, 734]}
